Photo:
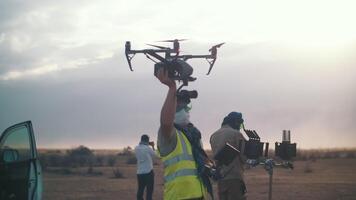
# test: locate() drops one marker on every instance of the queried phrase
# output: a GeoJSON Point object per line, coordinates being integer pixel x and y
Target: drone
{"type": "Point", "coordinates": [173, 61]}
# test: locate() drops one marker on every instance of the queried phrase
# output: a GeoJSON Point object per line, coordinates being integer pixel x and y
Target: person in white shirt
{"type": "Point", "coordinates": [145, 176]}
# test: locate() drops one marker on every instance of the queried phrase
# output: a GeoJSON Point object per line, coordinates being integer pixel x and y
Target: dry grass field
{"type": "Point", "coordinates": [327, 179]}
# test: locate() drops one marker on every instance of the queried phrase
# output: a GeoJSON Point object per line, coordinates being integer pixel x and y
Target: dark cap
{"type": "Point", "coordinates": [233, 119]}
{"type": "Point", "coordinates": [145, 138]}
{"type": "Point", "coordinates": [235, 115]}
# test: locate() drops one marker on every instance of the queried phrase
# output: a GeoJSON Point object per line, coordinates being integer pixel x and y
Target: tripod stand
{"type": "Point", "coordinates": [269, 165]}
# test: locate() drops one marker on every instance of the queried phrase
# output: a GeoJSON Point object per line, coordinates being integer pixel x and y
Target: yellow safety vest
{"type": "Point", "coordinates": [180, 172]}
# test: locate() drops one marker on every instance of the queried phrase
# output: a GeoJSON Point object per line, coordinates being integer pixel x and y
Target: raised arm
{"type": "Point", "coordinates": [169, 106]}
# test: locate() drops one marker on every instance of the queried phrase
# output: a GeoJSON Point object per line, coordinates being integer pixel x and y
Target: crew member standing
{"type": "Point", "coordinates": [231, 186]}
{"type": "Point", "coordinates": [145, 176]}
{"type": "Point", "coordinates": [180, 147]}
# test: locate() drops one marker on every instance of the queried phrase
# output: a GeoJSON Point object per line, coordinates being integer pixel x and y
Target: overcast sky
{"type": "Point", "coordinates": [285, 65]}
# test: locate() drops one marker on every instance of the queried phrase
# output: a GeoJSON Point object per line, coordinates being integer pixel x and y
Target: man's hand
{"type": "Point", "coordinates": [152, 144]}
{"type": "Point", "coordinates": [162, 76]}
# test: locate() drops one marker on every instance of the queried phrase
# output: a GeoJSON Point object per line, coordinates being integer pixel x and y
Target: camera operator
{"type": "Point", "coordinates": [145, 175]}
{"type": "Point", "coordinates": [180, 148]}
{"type": "Point", "coordinates": [231, 186]}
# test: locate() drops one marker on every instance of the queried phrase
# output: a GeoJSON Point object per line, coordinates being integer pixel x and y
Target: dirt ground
{"type": "Point", "coordinates": [332, 179]}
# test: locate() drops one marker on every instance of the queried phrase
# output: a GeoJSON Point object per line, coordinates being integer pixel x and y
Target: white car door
{"type": "Point", "coordinates": [20, 170]}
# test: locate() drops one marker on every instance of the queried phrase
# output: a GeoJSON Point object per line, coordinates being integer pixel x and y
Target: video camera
{"type": "Point", "coordinates": [254, 147]}
{"type": "Point", "coordinates": [177, 70]}
{"type": "Point", "coordinates": [286, 150]}
{"type": "Point", "coordinates": [186, 95]}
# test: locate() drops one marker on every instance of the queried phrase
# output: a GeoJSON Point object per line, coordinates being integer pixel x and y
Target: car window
{"type": "Point", "coordinates": [18, 139]}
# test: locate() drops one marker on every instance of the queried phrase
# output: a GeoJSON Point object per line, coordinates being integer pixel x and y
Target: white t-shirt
{"type": "Point", "coordinates": [144, 155]}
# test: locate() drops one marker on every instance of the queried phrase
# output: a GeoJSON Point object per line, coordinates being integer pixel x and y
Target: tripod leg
{"type": "Point", "coordinates": [270, 186]}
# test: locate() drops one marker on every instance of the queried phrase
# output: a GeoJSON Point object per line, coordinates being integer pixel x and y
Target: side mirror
{"type": "Point", "coordinates": [10, 155]}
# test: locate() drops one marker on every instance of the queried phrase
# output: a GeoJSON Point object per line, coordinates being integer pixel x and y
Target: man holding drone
{"type": "Point", "coordinates": [179, 142]}
{"type": "Point", "coordinates": [180, 147]}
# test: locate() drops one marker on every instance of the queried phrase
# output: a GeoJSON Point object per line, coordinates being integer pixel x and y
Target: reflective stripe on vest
{"type": "Point", "coordinates": [178, 158]}
{"type": "Point", "coordinates": [181, 157]}
{"type": "Point", "coordinates": [183, 172]}
{"type": "Point", "coordinates": [185, 156]}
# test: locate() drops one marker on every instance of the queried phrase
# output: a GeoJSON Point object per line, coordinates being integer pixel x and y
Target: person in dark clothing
{"type": "Point", "coordinates": [145, 175]}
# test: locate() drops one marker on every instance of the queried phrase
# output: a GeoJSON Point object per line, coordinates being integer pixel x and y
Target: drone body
{"type": "Point", "coordinates": [176, 64]}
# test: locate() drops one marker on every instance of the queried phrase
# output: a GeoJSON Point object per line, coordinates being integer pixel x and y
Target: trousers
{"type": "Point", "coordinates": [145, 181]}
{"type": "Point", "coordinates": [234, 189]}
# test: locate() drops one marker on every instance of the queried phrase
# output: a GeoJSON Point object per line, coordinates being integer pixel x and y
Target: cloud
{"type": "Point", "coordinates": [44, 33]}
{"type": "Point", "coordinates": [62, 66]}
{"type": "Point", "coordinates": [103, 104]}
{"type": "Point", "coordinates": [39, 33]}
{"type": "Point", "coordinates": [30, 72]}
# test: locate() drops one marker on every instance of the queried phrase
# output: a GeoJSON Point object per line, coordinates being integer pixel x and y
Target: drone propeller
{"type": "Point", "coordinates": [175, 40]}
{"type": "Point", "coordinates": [160, 47]}
{"type": "Point", "coordinates": [216, 46]}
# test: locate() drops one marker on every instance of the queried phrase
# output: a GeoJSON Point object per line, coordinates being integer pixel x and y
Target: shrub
{"type": "Point", "coordinates": [131, 160]}
{"type": "Point", "coordinates": [61, 171]}
{"type": "Point", "coordinates": [91, 171]}
{"type": "Point", "coordinates": [117, 173]}
{"type": "Point", "coordinates": [66, 171]}
{"type": "Point", "coordinates": [99, 160]}
{"type": "Point", "coordinates": [80, 156]}
{"type": "Point", "coordinates": [51, 160]}
{"type": "Point", "coordinates": [307, 168]}
{"type": "Point", "coordinates": [350, 154]}
{"type": "Point", "coordinates": [127, 151]}
{"type": "Point", "coordinates": [111, 160]}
